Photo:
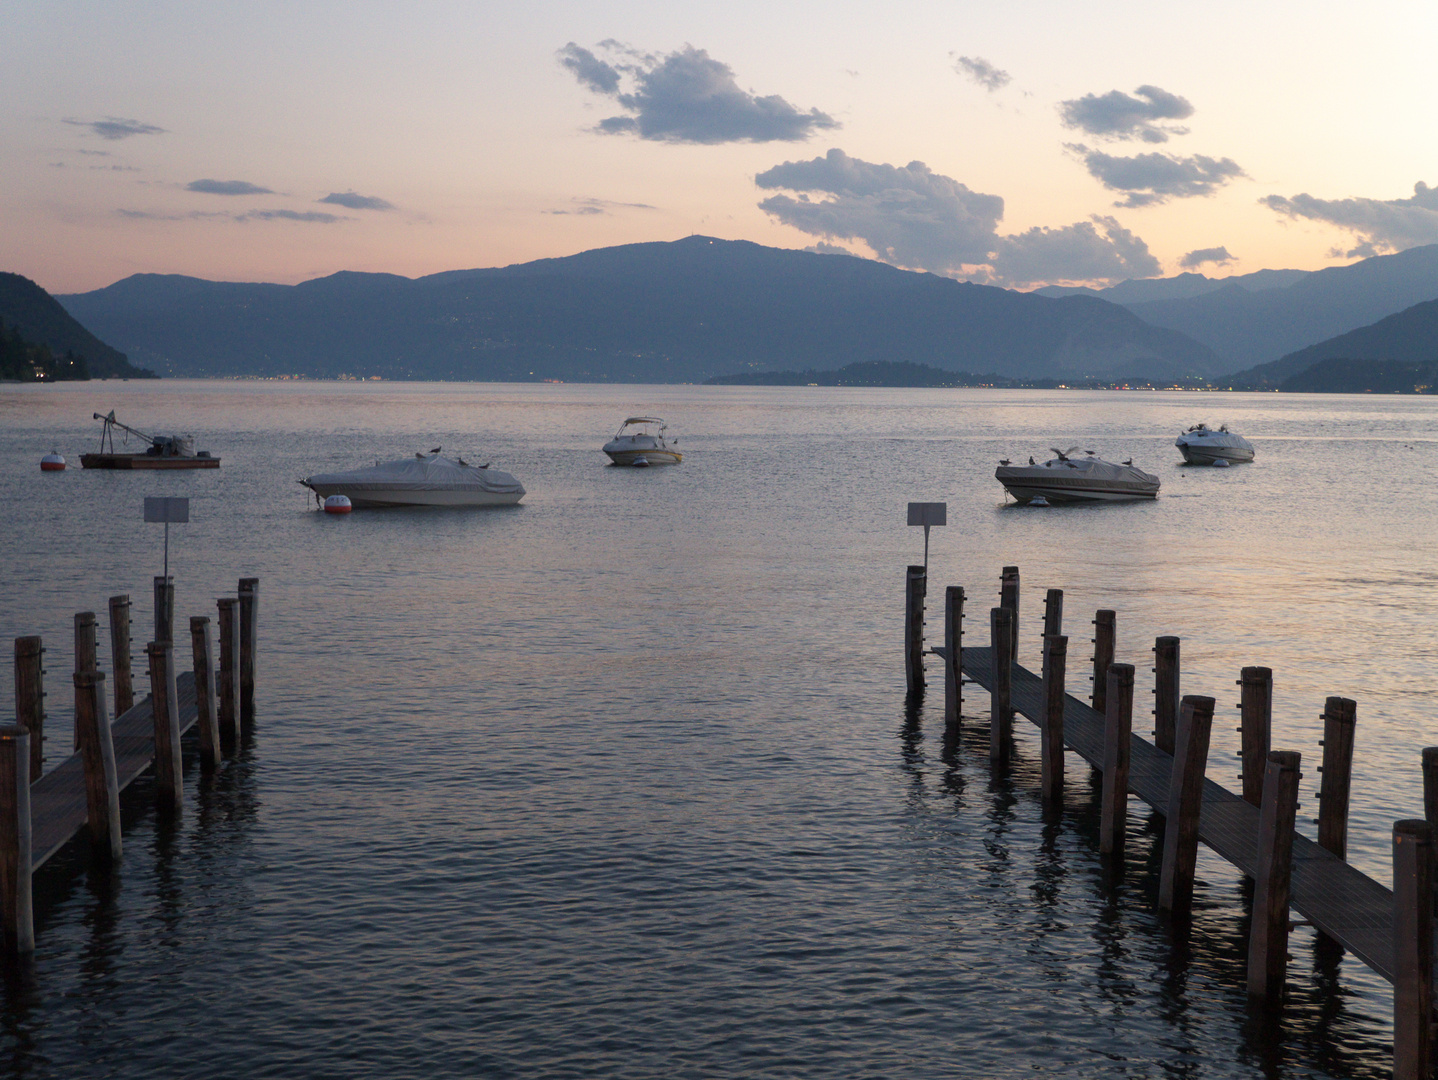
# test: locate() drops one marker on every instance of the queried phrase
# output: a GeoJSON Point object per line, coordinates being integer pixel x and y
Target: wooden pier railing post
{"type": "Point", "coordinates": [953, 660]}
{"type": "Point", "coordinates": [249, 642]}
{"type": "Point", "coordinates": [1338, 717]}
{"type": "Point", "coordinates": [165, 609]}
{"type": "Point", "coordinates": [1430, 805]}
{"type": "Point", "coordinates": [1117, 745]}
{"type": "Point", "coordinates": [1053, 613]}
{"type": "Point", "coordinates": [1256, 721]}
{"type": "Point", "coordinates": [1185, 801]}
{"type": "Point", "coordinates": [16, 912]}
{"type": "Point", "coordinates": [169, 779]}
{"type": "Point", "coordinates": [97, 751]}
{"type": "Point", "coordinates": [1056, 648]}
{"type": "Point", "coordinates": [229, 682]}
{"type": "Point", "coordinates": [1009, 598]}
{"type": "Point", "coordinates": [1268, 930]}
{"type": "Point", "coordinates": [1104, 622]}
{"type": "Point", "coordinates": [1412, 950]}
{"type": "Point", "coordinates": [915, 586]}
{"type": "Point", "coordinates": [87, 649]}
{"type": "Point", "coordinates": [207, 719]}
{"type": "Point", "coordinates": [120, 653]}
{"type": "Point", "coordinates": [30, 698]}
{"type": "Point", "coordinates": [1165, 693]}
{"type": "Point", "coordinates": [1001, 713]}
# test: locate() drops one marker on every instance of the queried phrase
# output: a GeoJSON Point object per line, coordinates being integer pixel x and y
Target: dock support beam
{"type": "Point", "coordinates": [17, 921]}
{"type": "Point", "coordinates": [97, 751]}
{"type": "Point", "coordinates": [30, 698]}
{"type": "Point", "coordinates": [1185, 802]}
{"type": "Point", "coordinates": [1165, 693]}
{"type": "Point", "coordinates": [1009, 598]}
{"type": "Point", "coordinates": [953, 661]}
{"type": "Point", "coordinates": [120, 653]}
{"type": "Point", "coordinates": [249, 643]}
{"type": "Point", "coordinates": [165, 609]}
{"type": "Point", "coordinates": [164, 703]}
{"type": "Point", "coordinates": [1053, 613]}
{"type": "Point", "coordinates": [1256, 722]}
{"type": "Point", "coordinates": [1338, 718]}
{"type": "Point", "coordinates": [1268, 929]}
{"type": "Point", "coordinates": [916, 584]}
{"type": "Point", "coordinates": [1056, 648]}
{"type": "Point", "coordinates": [206, 719]}
{"type": "Point", "coordinates": [1117, 746]}
{"type": "Point", "coordinates": [87, 650]}
{"type": "Point", "coordinates": [1412, 950]}
{"type": "Point", "coordinates": [229, 683]}
{"type": "Point", "coordinates": [1001, 713]}
{"type": "Point", "coordinates": [1104, 634]}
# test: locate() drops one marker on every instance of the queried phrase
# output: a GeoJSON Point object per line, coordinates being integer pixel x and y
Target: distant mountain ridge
{"type": "Point", "coordinates": [40, 319]}
{"type": "Point", "coordinates": [659, 312]}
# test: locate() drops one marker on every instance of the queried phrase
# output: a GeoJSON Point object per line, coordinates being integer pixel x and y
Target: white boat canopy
{"type": "Point", "coordinates": [428, 472]}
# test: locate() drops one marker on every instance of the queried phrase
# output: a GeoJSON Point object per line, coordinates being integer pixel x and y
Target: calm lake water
{"type": "Point", "coordinates": [620, 783]}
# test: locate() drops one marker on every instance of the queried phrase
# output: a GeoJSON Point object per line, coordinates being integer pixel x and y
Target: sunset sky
{"type": "Point", "coordinates": [1014, 144]}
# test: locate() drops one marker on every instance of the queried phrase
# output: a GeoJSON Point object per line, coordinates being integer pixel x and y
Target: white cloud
{"type": "Point", "coordinates": [1150, 179]}
{"type": "Point", "coordinates": [1219, 256]}
{"type": "Point", "coordinates": [1117, 115]}
{"type": "Point", "coordinates": [982, 72]}
{"type": "Point", "coordinates": [1378, 225]}
{"type": "Point", "coordinates": [1075, 253]}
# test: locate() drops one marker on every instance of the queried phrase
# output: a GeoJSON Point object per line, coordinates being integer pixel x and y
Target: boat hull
{"type": "Point", "coordinates": [146, 461]}
{"type": "Point", "coordinates": [1055, 492]}
{"type": "Point", "coordinates": [649, 457]}
{"type": "Point", "coordinates": [375, 497]}
{"type": "Point", "coordinates": [1207, 455]}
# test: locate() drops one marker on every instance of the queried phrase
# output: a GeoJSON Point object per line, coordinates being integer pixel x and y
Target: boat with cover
{"type": "Point", "coordinates": [163, 452]}
{"type": "Point", "coordinates": [423, 480]}
{"type": "Point", "coordinates": [645, 445]}
{"type": "Point", "coordinates": [1201, 445]}
{"type": "Point", "coordinates": [1066, 479]}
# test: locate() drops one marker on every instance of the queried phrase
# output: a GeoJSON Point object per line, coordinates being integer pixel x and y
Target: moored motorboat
{"type": "Point", "coordinates": [1065, 479]}
{"type": "Point", "coordinates": [1201, 445]}
{"type": "Point", "coordinates": [645, 445]}
{"type": "Point", "coordinates": [163, 452]}
{"type": "Point", "coordinates": [423, 480]}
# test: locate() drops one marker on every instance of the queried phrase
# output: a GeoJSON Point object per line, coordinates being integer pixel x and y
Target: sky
{"type": "Point", "coordinates": [1015, 144]}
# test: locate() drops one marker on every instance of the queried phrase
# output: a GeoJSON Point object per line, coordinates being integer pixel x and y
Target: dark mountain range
{"type": "Point", "coordinates": [1409, 337]}
{"type": "Point", "coordinates": [39, 319]}
{"type": "Point", "coordinates": [1179, 287]}
{"type": "Point", "coordinates": [662, 312]}
{"type": "Point", "coordinates": [1364, 377]}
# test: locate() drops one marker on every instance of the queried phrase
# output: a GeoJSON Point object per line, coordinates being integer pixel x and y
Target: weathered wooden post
{"type": "Point", "coordinates": [1165, 693]}
{"type": "Point", "coordinates": [1053, 613]}
{"type": "Point", "coordinates": [229, 711]}
{"type": "Point", "coordinates": [206, 716]}
{"type": "Point", "coordinates": [164, 704]}
{"type": "Point", "coordinates": [953, 660]}
{"type": "Point", "coordinates": [1430, 803]}
{"type": "Point", "coordinates": [1255, 706]}
{"type": "Point", "coordinates": [165, 609]}
{"type": "Point", "coordinates": [1185, 802]}
{"type": "Point", "coordinates": [1103, 645]}
{"type": "Point", "coordinates": [1339, 714]}
{"type": "Point", "coordinates": [1056, 648]}
{"type": "Point", "coordinates": [1268, 930]}
{"type": "Point", "coordinates": [120, 653]}
{"type": "Point", "coordinates": [97, 751]}
{"type": "Point", "coordinates": [87, 650]}
{"type": "Point", "coordinates": [16, 911]}
{"type": "Point", "coordinates": [30, 698]}
{"type": "Point", "coordinates": [1001, 714]}
{"type": "Point", "coordinates": [916, 584]}
{"type": "Point", "coordinates": [1412, 950]}
{"type": "Point", "coordinates": [1009, 598]}
{"type": "Point", "coordinates": [1117, 746]}
{"type": "Point", "coordinates": [249, 641]}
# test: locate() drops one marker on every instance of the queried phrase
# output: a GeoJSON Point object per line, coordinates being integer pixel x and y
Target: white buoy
{"type": "Point", "coordinates": [1038, 500]}
{"type": "Point", "coordinates": [52, 462]}
{"type": "Point", "coordinates": [640, 463]}
{"type": "Point", "coordinates": [1220, 463]}
{"type": "Point", "coordinates": [337, 504]}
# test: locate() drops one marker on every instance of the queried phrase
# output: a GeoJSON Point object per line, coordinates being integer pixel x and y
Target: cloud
{"type": "Point", "coordinates": [825, 248]}
{"type": "Point", "coordinates": [1196, 258]}
{"type": "Point", "coordinates": [1150, 179]}
{"type": "Point", "coordinates": [352, 201]}
{"type": "Point", "coordinates": [248, 215]}
{"type": "Point", "coordinates": [153, 215]}
{"type": "Point", "coordinates": [1378, 225]}
{"type": "Point", "coordinates": [116, 127]}
{"type": "Point", "coordinates": [227, 187]}
{"type": "Point", "coordinates": [1074, 253]}
{"type": "Point", "coordinates": [1116, 115]}
{"type": "Point", "coordinates": [982, 72]}
{"type": "Point", "coordinates": [289, 215]}
{"type": "Point", "coordinates": [588, 207]}
{"type": "Point", "coordinates": [686, 97]}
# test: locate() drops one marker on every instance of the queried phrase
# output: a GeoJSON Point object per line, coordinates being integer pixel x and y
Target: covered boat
{"type": "Point", "coordinates": [1201, 445]}
{"type": "Point", "coordinates": [1065, 479]}
{"type": "Point", "coordinates": [645, 445]}
{"type": "Point", "coordinates": [423, 480]}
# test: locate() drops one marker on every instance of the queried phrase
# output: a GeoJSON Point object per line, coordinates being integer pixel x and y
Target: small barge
{"type": "Point", "coordinates": [162, 452]}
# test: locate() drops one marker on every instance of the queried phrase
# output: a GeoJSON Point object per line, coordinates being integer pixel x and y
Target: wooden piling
{"type": "Point", "coordinates": [120, 653]}
{"type": "Point", "coordinates": [1165, 693]}
{"type": "Point", "coordinates": [1104, 622]}
{"type": "Point", "coordinates": [1430, 804]}
{"type": "Point", "coordinates": [1053, 613]}
{"type": "Point", "coordinates": [1117, 743]}
{"type": "Point", "coordinates": [1052, 771]}
{"type": "Point", "coordinates": [1185, 801]}
{"type": "Point", "coordinates": [1268, 930]}
{"type": "Point", "coordinates": [208, 722]}
{"type": "Point", "coordinates": [97, 750]}
{"type": "Point", "coordinates": [953, 660]}
{"type": "Point", "coordinates": [169, 779]}
{"type": "Point", "coordinates": [1412, 950]}
{"type": "Point", "coordinates": [229, 680]}
{"type": "Point", "coordinates": [1001, 713]}
{"type": "Point", "coordinates": [30, 698]}
{"type": "Point", "coordinates": [17, 922]}
{"type": "Point", "coordinates": [1255, 725]}
{"type": "Point", "coordinates": [1009, 598]}
{"type": "Point", "coordinates": [915, 588]}
{"type": "Point", "coordinates": [87, 651]}
{"type": "Point", "coordinates": [165, 609]}
{"type": "Point", "coordinates": [249, 641]}
{"type": "Point", "coordinates": [1338, 718]}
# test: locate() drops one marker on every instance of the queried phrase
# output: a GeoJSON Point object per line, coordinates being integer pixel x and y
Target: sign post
{"type": "Point", "coordinates": [167, 508]}
{"type": "Point", "coordinates": [927, 515]}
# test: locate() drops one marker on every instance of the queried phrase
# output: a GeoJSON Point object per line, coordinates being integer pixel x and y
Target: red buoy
{"type": "Point", "coordinates": [337, 504]}
{"type": "Point", "coordinates": [52, 462]}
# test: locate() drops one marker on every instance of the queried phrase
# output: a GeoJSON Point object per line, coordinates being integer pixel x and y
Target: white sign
{"type": "Point", "coordinates": [166, 508]}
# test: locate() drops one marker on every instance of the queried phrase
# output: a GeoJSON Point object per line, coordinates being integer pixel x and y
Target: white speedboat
{"type": "Point", "coordinates": [423, 480]}
{"type": "Point", "coordinates": [1066, 479]}
{"type": "Point", "coordinates": [645, 445]}
{"type": "Point", "coordinates": [1201, 445]}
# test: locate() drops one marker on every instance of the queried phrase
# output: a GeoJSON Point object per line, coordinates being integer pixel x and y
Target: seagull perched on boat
{"type": "Point", "coordinates": [1005, 461]}
{"type": "Point", "coordinates": [1031, 459]}
{"type": "Point", "coordinates": [1129, 461]}
{"type": "Point", "coordinates": [436, 450]}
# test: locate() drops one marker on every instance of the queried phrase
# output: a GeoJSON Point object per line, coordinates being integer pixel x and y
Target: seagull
{"type": "Point", "coordinates": [1031, 459]}
{"type": "Point", "coordinates": [436, 450]}
{"type": "Point", "coordinates": [1129, 461]}
{"type": "Point", "coordinates": [1005, 461]}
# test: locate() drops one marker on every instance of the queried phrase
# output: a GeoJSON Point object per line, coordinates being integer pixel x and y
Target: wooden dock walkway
{"type": "Point", "coordinates": [1337, 899]}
